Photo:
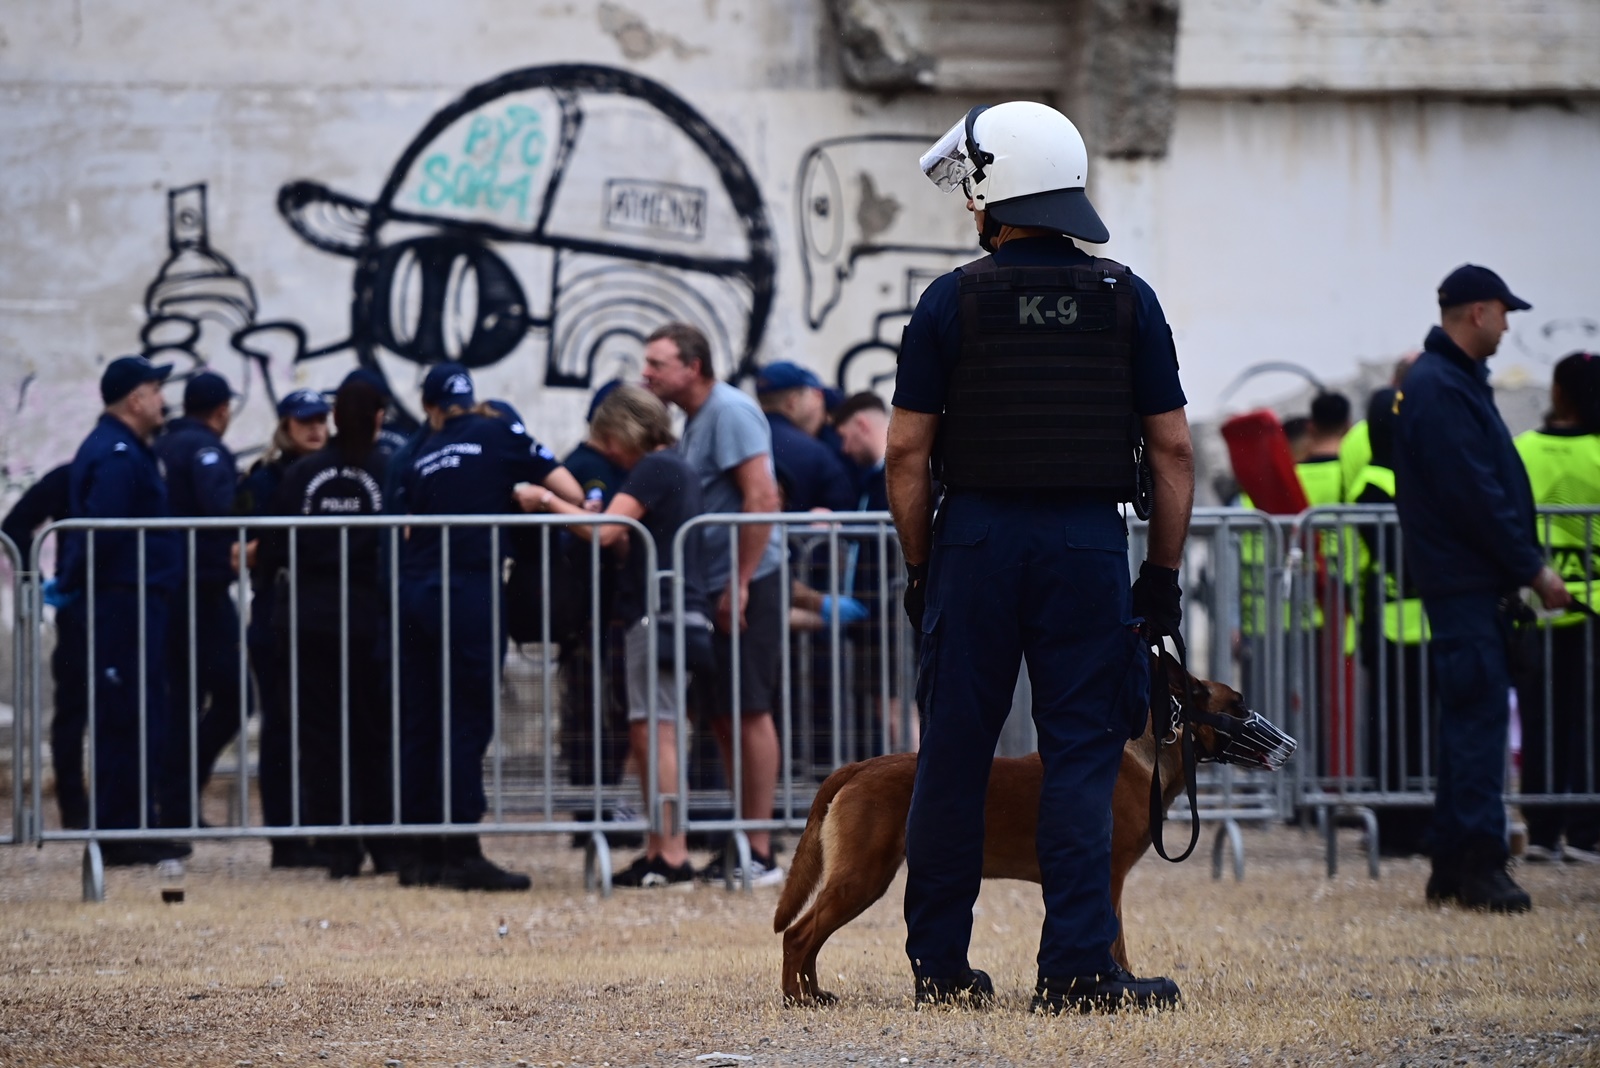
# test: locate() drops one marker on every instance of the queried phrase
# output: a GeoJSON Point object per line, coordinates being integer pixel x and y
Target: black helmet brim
{"type": "Point", "coordinates": [1067, 211]}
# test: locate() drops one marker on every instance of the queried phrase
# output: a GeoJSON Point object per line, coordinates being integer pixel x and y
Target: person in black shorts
{"type": "Point", "coordinates": [633, 430]}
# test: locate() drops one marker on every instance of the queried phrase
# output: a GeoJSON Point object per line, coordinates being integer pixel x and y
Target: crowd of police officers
{"type": "Point", "coordinates": [318, 630]}
{"type": "Point", "coordinates": [1037, 393]}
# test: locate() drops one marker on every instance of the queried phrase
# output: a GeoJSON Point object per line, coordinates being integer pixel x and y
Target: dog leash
{"type": "Point", "coordinates": [1180, 726]}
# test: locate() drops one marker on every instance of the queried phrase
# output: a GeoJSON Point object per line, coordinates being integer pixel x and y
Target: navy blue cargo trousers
{"type": "Point", "coordinates": [1046, 580]}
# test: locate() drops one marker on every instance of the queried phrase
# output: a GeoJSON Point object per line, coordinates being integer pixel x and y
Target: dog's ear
{"type": "Point", "coordinates": [1175, 675]}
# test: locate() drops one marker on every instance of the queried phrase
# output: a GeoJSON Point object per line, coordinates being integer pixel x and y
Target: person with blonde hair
{"type": "Point", "coordinates": [632, 429]}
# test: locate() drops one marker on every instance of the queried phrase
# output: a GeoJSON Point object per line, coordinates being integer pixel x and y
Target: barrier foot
{"type": "Point", "coordinates": [94, 874]}
{"type": "Point", "coordinates": [1229, 833]}
{"type": "Point", "coordinates": [1330, 823]}
{"type": "Point", "coordinates": [1369, 818]}
{"type": "Point", "coordinates": [597, 864]}
{"type": "Point", "coordinates": [736, 857]}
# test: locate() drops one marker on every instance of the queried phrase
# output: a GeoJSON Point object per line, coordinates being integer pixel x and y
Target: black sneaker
{"type": "Point", "coordinates": [974, 990]}
{"type": "Point", "coordinates": [298, 853]}
{"type": "Point", "coordinates": [653, 871]}
{"type": "Point", "coordinates": [133, 854]}
{"type": "Point", "coordinates": [1117, 989]}
{"type": "Point", "coordinates": [344, 861]}
{"type": "Point", "coordinates": [764, 871]}
{"type": "Point", "coordinates": [479, 873]}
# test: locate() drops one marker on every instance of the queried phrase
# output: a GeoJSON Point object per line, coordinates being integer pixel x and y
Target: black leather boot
{"type": "Point", "coordinates": [973, 990]}
{"type": "Point", "coordinates": [1114, 990]}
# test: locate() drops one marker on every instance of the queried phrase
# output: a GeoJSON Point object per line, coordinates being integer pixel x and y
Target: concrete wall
{"type": "Point", "coordinates": [281, 191]}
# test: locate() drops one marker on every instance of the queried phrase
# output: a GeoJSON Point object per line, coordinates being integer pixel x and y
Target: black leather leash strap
{"type": "Point", "coordinates": [1158, 811]}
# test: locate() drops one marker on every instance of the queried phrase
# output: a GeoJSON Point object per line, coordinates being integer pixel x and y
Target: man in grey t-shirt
{"type": "Point", "coordinates": [728, 443]}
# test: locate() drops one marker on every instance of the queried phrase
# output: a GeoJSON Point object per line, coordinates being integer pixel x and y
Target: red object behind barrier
{"type": "Point", "coordinates": [1263, 464]}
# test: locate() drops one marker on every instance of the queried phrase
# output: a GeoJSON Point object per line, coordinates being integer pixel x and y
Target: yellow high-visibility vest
{"type": "Point", "coordinates": [1564, 469]}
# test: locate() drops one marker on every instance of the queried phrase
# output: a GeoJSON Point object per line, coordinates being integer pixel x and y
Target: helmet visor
{"type": "Point", "coordinates": [946, 163]}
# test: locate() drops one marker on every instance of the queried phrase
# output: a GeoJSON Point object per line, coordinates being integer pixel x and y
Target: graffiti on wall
{"type": "Point", "coordinates": [200, 313]}
{"type": "Point", "coordinates": [852, 220]}
{"type": "Point", "coordinates": [555, 214]}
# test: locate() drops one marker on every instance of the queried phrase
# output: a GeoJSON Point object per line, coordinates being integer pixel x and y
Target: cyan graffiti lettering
{"type": "Point", "coordinates": [493, 169]}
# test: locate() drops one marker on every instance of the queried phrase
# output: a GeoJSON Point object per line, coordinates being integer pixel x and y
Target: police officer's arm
{"type": "Point", "coordinates": [1171, 453]}
{"type": "Point", "coordinates": [544, 499]}
{"type": "Point", "coordinates": [111, 496]}
{"type": "Point", "coordinates": [909, 480]}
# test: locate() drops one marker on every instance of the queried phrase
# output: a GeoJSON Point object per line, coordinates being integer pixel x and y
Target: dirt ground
{"type": "Point", "coordinates": [257, 968]}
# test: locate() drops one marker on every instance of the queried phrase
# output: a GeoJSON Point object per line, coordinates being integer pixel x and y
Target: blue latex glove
{"type": "Point", "coordinates": [848, 609]}
{"type": "Point", "coordinates": [54, 597]}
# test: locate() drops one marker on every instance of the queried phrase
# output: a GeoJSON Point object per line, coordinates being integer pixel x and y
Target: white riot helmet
{"type": "Point", "coordinates": [1023, 164]}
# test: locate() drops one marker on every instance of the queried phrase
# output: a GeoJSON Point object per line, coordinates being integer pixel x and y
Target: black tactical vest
{"type": "Point", "coordinates": [1042, 395]}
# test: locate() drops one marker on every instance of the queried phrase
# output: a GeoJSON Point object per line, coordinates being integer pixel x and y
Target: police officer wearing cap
{"type": "Point", "coordinates": [1037, 371]}
{"type": "Point", "coordinates": [470, 464]}
{"type": "Point", "coordinates": [202, 482]}
{"type": "Point", "coordinates": [116, 475]}
{"type": "Point", "coordinates": [302, 430]}
{"type": "Point", "coordinates": [1467, 517]}
{"type": "Point", "coordinates": [810, 475]}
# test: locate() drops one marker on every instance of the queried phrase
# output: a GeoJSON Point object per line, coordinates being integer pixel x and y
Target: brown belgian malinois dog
{"type": "Point", "coordinates": [855, 836]}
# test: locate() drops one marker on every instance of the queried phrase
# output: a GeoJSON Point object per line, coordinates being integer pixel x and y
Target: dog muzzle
{"type": "Point", "coordinates": [1251, 742]}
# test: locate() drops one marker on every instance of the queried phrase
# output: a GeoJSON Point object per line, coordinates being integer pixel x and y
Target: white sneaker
{"type": "Point", "coordinates": [1579, 856]}
{"type": "Point", "coordinates": [762, 873]}
{"type": "Point", "coordinates": [1538, 854]}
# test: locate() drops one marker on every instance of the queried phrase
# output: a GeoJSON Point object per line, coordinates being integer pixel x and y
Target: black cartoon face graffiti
{"type": "Point", "coordinates": [853, 210]}
{"type": "Point", "coordinates": [562, 212]}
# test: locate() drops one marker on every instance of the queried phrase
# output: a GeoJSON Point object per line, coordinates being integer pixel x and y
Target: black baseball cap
{"type": "Point", "coordinates": [125, 374]}
{"type": "Point", "coordinates": [1470, 283]}
{"type": "Point", "coordinates": [206, 392]}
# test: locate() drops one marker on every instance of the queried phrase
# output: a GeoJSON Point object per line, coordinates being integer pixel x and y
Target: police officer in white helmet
{"type": "Point", "coordinates": [1030, 384]}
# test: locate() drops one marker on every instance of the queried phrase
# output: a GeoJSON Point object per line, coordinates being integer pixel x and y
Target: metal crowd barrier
{"type": "Point", "coordinates": [1358, 667]}
{"type": "Point", "coordinates": [20, 589]}
{"type": "Point", "coordinates": [1234, 573]}
{"type": "Point", "coordinates": [522, 793]}
{"type": "Point", "coordinates": [826, 714]}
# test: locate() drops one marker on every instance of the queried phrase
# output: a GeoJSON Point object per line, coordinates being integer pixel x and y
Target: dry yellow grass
{"type": "Point", "coordinates": [288, 968]}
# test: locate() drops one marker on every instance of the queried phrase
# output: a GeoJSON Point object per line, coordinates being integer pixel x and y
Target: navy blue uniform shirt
{"type": "Point", "coordinates": [1466, 508]}
{"type": "Point", "coordinates": [202, 481]}
{"type": "Point", "coordinates": [594, 472]}
{"type": "Point", "coordinates": [931, 344]}
{"type": "Point", "coordinates": [467, 467]}
{"type": "Point", "coordinates": [115, 475]}
{"type": "Point", "coordinates": [810, 474]}
{"type": "Point", "coordinates": [44, 502]}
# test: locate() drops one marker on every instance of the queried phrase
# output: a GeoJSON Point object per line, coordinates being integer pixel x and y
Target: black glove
{"type": "Point", "coordinates": [916, 599]}
{"type": "Point", "coordinates": [1158, 599]}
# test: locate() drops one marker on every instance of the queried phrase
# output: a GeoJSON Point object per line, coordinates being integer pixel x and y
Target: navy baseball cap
{"type": "Point", "coordinates": [303, 404]}
{"type": "Point", "coordinates": [1470, 283]}
{"type": "Point", "coordinates": [785, 375]}
{"type": "Point", "coordinates": [125, 374]}
{"type": "Point", "coordinates": [447, 383]}
{"type": "Point", "coordinates": [206, 392]}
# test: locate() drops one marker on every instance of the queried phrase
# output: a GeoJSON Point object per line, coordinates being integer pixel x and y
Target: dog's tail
{"type": "Point", "coordinates": [805, 869]}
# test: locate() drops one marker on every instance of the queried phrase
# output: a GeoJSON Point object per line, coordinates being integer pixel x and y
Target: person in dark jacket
{"type": "Point", "coordinates": [46, 501]}
{"type": "Point", "coordinates": [469, 465]}
{"type": "Point", "coordinates": [337, 589]}
{"type": "Point", "coordinates": [1467, 517]}
{"type": "Point", "coordinates": [126, 593]}
{"type": "Point", "coordinates": [203, 648]}
{"type": "Point", "coordinates": [302, 429]}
